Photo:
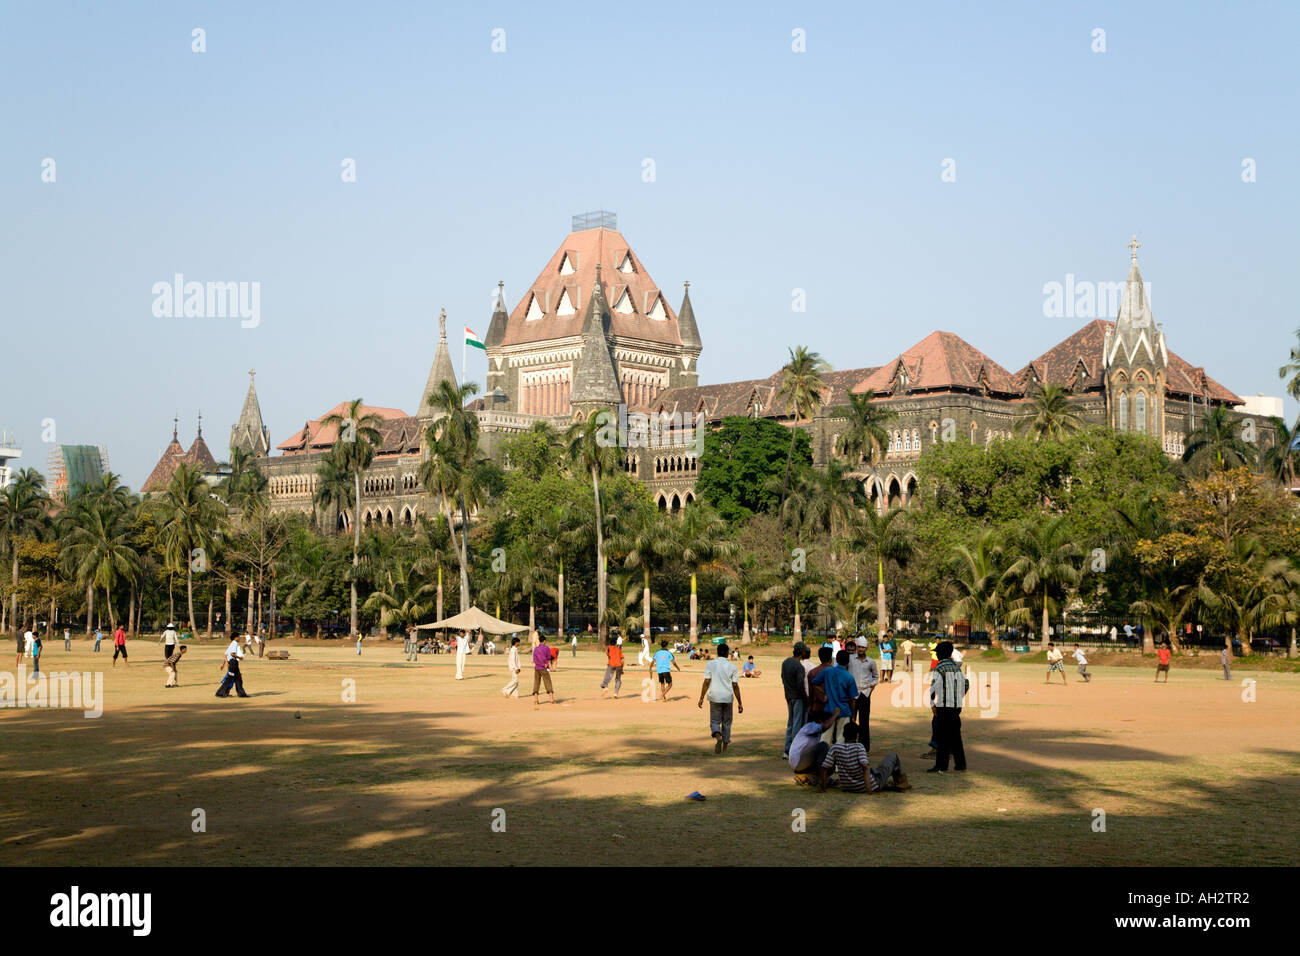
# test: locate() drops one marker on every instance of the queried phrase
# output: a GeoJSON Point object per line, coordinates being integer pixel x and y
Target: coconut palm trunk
{"type": "Point", "coordinates": [744, 638]}
{"type": "Point", "coordinates": [439, 617]}
{"type": "Point", "coordinates": [600, 558]}
{"type": "Point", "coordinates": [13, 597]}
{"type": "Point", "coordinates": [695, 606]}
{"type": "Point", "coordinates": [356, 552]}
{"type": "Point", "coordinates": [1043, 635]}
{"type": "Point", "coordinates": [226, 628]}
{"type": "Point", "coordinates": [464, 554]}
{"type": "Point", "coordinates": [559, 603]}
{"type": "Point", "coordinates": [882, 617]}
{"type": "Point", "coordinates": [645, 604]}
{"type": "Point", "coordinates": [90, 608]}
{"type": "Point", "coordinates": [1291, 649]}
{"type": "Point", "coordinates": [798, 623]}
{"type": "Point", "coordinates": [189, 593]}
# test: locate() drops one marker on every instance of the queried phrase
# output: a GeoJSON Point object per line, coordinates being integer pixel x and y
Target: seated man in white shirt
{"type": "Point", "coordinates": [807, 749]}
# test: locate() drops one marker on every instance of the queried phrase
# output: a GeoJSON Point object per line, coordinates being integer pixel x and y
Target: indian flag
{"type": "Point", "coordinates": [474, 340]}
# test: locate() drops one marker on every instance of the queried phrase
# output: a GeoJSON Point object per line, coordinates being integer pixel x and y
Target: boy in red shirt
{"type": "Point", "coordinates": [1162, 657]}
{"type": "Point", "coordinates": [119, 646]}
{"type": "Point", "coordinates": [613, 666]}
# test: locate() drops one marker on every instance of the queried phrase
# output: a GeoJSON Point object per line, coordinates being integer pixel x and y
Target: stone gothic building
{"type": "Point", "coordinates": [595, 331]}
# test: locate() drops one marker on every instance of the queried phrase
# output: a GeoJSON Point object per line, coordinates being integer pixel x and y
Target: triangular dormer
{"type": "Point", "coordinates": [534, 308]}
{"type": "Point", "coordinates": [624, 304]}
{"type": "Point", "coordinates": [657, 310]}
{"type": "Point", "coordinates": [566, 305]}
{"type": "Point", "coordinates": [626, 266]}
{"type": "Point", "coordinates": [568, 264]}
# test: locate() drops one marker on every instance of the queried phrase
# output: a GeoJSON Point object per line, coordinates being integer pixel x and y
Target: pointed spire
{"type": "Point", "coordinates": [686, 327]}
{"type": "Point", "coordinates": [1134, 310]}
{"type": "Point", "coordinates": [200, 424]}
{"type": "Point", "coordinates": [250, 434]}
{"type": "Point", "coordinates": [441, 370]}
{"type": "Point", "coordinates": [176, 424]}
{"type": "Point", "coordinates": [594, 378]}
{"type": "Point", "coordinates": [496, 332]}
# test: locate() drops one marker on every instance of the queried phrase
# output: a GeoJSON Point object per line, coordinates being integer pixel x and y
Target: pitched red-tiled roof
{"type": "Point", "coordinates": [584, 249]}
{"type": "Point", "coordinates": [161, 476]}
{"type": "Point", "coordinates": [396, 431]}
{"type": "Point", "coordinates": [941, 361]}
{"type": "Point", "coordinates": [1059, 365]}
{"type": "Point", "coordinates": [740, 398]}
{"type": "Point", "coordinates": [199, 456]}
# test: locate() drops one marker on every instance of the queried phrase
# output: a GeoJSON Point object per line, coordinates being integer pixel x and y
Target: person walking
{"type": "Point", "coordinates": [168, 640]}
{"type": "Point", "coordinates": [1082, 661]}
{"type": "Point", "coordinates": [1225, 658]}
{"type": "Point", "coordinates": [67, 639]}
{"type": "Point", "coordinates": [907, 647]}
{"type": "Point", "coordinates": [99, 636]}
{"type": "Point", "coordinates": [541, 669]}
{"type": "Point", "coordinates": [645, 656]}
{"type": "Point", "coordinates": [172, 667]}
{"type": "Point", "coordinates": [413, 644]}
{"type": "Point", "coordinates": [574, 645]}
{"type": "Point", "coordinates": [947, 691]}
{"type": "Point", "coordinates": [722, 687]}
{"type": "Point", "coordinates": [512, 667]}
{"type": "Point", "coordinates": [232, 678]}
{"type": "Point", "coordinates": [36, 654]}
{"type": "Point", "coordinates": [613, 667]}
{"type": "Point", "coordinates": [462, 652]}
{"type": "Point", "coordinates": [119, 646]}
{"type": "Point", "coordinates": [360, 638]}
{"type": "Point", "coordinates": [662, 665]}
{"type": "Point", "coordinates": [794, 681]}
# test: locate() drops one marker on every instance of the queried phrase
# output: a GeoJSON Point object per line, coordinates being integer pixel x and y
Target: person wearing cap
{"type": "Point", "coordinates": [172, 665]}
{"type": "Point", "coordinates": [169, 641]}
{"type": "Point", "coordinates": [867, 675]}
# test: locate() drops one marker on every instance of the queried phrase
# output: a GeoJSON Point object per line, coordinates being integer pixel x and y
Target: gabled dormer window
{"type": "Point", "coordinates": [566, 266]}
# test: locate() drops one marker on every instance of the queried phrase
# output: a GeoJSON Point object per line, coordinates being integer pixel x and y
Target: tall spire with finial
{"type": "Point", "coordinates": [595, 381]}
{"type": "Point", "coordinates": [200, 423]}
{"type": "Point", "coordinates": [250, 434]}
{"type": "Point", "coordinates": [441, 370]}
{"type": "Point", "coordinates": [176, 425]}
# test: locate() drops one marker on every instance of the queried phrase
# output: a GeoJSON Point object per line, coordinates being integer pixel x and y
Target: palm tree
{"type": "Point", "coordinates": [866, 438]}
{"type": "Point", "coordinates": [802, 390]}
{"type": "Point", "coordinates": [98, 550]}
{"type": "Point", "coordinates": [702, 540]}
{"type": "Point", "coordinates": [559, 530]}
{"type": "Point", "coordinates": [528, 574]}
{"type": "Point", "coordinates": [333, 491]}
{"type": "Point", "coordinates": [1281, 608]}
{"type": "Point", "coordinates": [848, 604]}
{"type": "Point", "coordinates": [748, 579]}
{"type": "Point", "coordinates": [22, 512]}
{"type": "Point", "coordinates": [434, 543]}
{"type": "Point", "coordinates": [404, 600]}
{"type": "Point", "coordinates": [886, 537]}
{"type": "Point", "coordinates": [591, 455]}
{"type": "Point", "coordinates": [627, 592]}
{"type": "Point", "coordinates": [1292, 369]}
{"type": "Point", "coordinates": [1044, 569]}
{"type": "Point", "coordinates": [977, 579]}
{"type": "Point", "coordinates": [797, 586]}
{"type": "Point", "coordinates": [191, 514]}
{"type": "Point", "coordinates": [354, 449]}
{"type": "Point", "coordinates": [243, 483]}
{"type": "Point", "coordinates": [822, 500]}
{"type": "Point", "coordinates": [1247, 592]}
{"type": "Point", "coordinates": [1280, 459]}
{"type": "Point", "coordinates": [448, 470]}
{"type": "Point", "coordinates": [1215, 443]}
{"type": "Point", "coordinates": [1050, 415]}
{"type": "Point", "coordinates": [647, 541]}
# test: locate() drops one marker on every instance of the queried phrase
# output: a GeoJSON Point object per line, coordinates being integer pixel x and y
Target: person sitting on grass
{"type": "Point", "coordinates": [749, 670]}
{"type": "Point", "coordinates": [807, 749]}
{"type": "Point", "coordinates": [849, 759]}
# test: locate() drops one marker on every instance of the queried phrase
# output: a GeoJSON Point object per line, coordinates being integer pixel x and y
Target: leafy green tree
{"type": "Point", "coordinates": [702, 541]}
{"type": "Point", "coordinates": [977, 580]}
{"type": "Point", "coordinates": [1216, 443]}
{"type": "Point", "coordinates": [887, 537]}
{"type": "Point", "coordinates": [588, 453]}
{"type": "Point", "coordinates": [1043, 569]}
{"type": "Point", "coordinates": [192, 515]}
{"type": "Point", "coordinates": [23, 506]}
{"type": "Point", "coordinates": [648, 539]}
{"type": "Point", "coordinates": [740, 462]}
{"type": "Point", "coordinates": [404, 601]}
{"type": "Point", "coordinates": [866, 437]}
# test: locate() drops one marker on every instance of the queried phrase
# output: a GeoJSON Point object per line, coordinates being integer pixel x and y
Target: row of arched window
{"type": "Point", "coordinates": [673, 502]}
{"type": "Point", "coordinates": [292, 486]}
{"type": "Point", "coordinates": [1139, 405]}
{"type": "Point", "coordinates": [683, 464]}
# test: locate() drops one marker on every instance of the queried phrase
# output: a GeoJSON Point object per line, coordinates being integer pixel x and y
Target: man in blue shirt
{"type": "Point", "coordinates": [663, 665]}
{"type": "Point", "coordinates": [841, 691]}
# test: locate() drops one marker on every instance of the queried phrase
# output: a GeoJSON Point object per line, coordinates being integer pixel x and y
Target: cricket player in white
{"type": "Point", "coordinates": [512, 664]}
{"type": "Point", "coordinates": [462, 651]}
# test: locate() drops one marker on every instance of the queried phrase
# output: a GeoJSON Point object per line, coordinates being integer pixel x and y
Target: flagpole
{"type": "Point", "coordinates": [464, 347]}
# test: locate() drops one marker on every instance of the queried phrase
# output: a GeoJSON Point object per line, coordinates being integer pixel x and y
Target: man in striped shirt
{"type": "Point", "coordinates": [172, 667]}
{"type": "Point", "coordinates": [856, 775]}
{"type": "Point", "coordinates": [947, 690]}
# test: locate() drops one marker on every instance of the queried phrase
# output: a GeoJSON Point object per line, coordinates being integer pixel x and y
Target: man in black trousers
{"type": "Point", "coordinates": [232, 678]}
{"type": "Point", "coordinates": [946, 694]}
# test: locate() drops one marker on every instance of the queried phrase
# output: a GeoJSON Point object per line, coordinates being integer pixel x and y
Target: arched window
{"type": "Point", "coordinates": [1142, 412]}
{"type": "Point", "coordinates": [1123, 411]}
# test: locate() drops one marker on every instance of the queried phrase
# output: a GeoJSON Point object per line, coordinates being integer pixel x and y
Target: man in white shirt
{"type": "Point", "coordinates": [807, 749]}
{"type": "Point", "coordinates": [867, 674]}
{"type": "Point", "coordinates": [512, 665]}
{"type": "Point", "coordinates": [168, 640]}
{"type": "Point", "coordinates": [722, 686]}
{"type": "Point", "coordinates": [574, 644]}
{"type": "Point", "coordinates": [462, 651]}
{"type": "Point", "coordinates": [29, 640]}
{"type": "Point", "coordinates": [1083, 663]}
{"type": "Point", "coordinates": [645, 656]}
{"type": "Point", "coordinates": [230, 663]}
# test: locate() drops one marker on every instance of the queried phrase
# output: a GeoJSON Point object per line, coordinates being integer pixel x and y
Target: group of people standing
{"type": "Point", "coordinates": [828, 710]}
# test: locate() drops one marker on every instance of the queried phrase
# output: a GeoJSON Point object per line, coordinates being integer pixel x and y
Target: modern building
{"type": "Point", "coordinates": [71, 467]}
{"type": "Point", "coordinates": [9, 450]}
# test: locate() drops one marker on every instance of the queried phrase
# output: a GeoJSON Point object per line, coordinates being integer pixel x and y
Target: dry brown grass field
{"type": "Point", "coordinates": [413, 770]}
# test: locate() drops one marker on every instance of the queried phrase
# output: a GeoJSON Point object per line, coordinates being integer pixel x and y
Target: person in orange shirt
{"type": "Point", "coordinates": [1162, 661]}
{"type": "Point", "coordinates": [613, 666]}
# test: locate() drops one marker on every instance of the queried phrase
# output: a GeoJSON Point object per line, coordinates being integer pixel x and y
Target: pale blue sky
{"type": "Point", "coordinates": [775, 170]}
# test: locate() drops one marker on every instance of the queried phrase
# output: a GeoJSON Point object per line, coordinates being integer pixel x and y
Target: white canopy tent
{"type": "Point", "coordinates": [474, 619]}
